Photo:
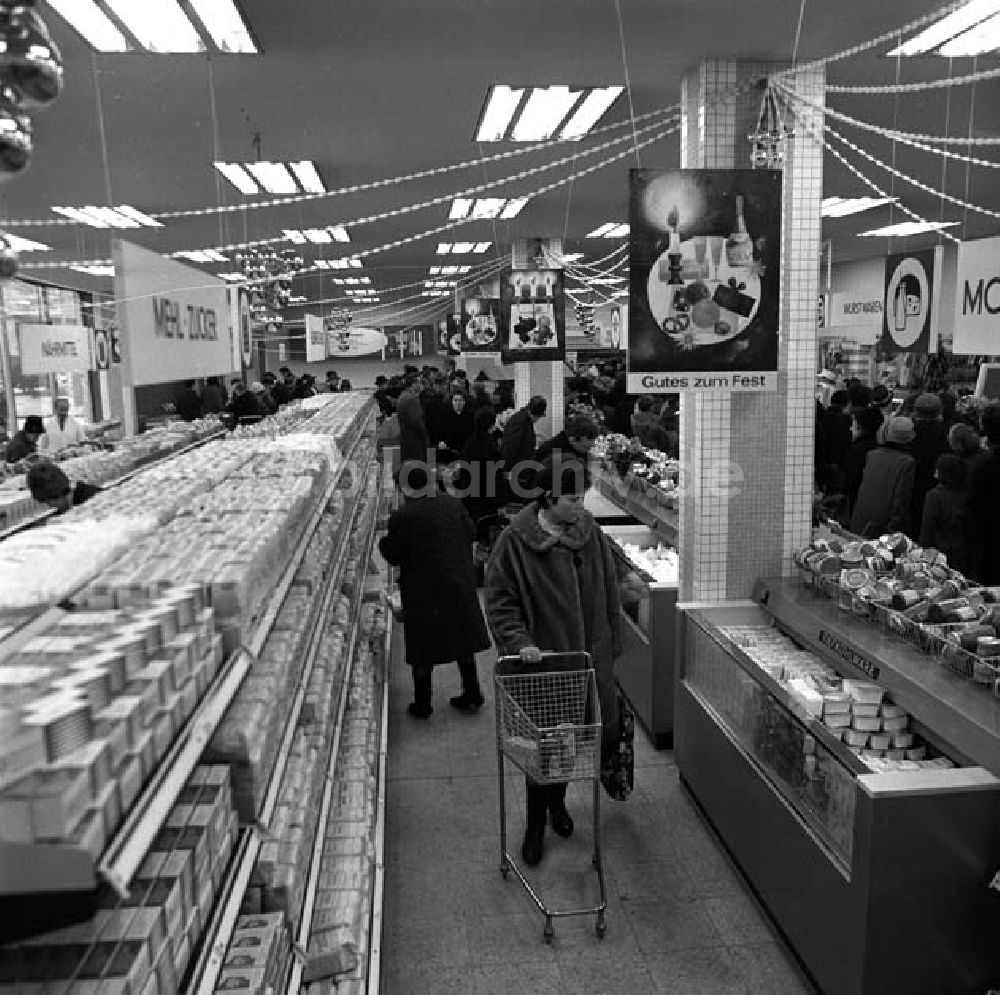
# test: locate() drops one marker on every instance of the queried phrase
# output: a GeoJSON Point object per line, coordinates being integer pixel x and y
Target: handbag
{"type": "Point", "coordinates": [618, 763]}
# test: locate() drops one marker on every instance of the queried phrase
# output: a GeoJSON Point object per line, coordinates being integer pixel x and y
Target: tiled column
{"type": "Point", "coordinates": [746, 459]}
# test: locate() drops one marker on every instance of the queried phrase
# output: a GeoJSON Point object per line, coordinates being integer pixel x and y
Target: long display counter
{"type": "Point", "coordinates": [866, 816]}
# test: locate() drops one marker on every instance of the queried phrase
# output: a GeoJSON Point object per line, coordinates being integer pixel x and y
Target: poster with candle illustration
{"type": "Point", "coordinates": [533, 307]}
{"type": "Point", "coordinates": [480, 322]}
{"type": "Point", "coordinates": [704, 275]}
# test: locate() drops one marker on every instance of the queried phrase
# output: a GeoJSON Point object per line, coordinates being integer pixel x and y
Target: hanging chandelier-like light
{"type": "Point", "coordinates": [768, 140]}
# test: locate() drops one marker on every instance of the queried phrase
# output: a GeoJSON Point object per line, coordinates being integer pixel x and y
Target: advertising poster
{"type": "Point", "coordinates": [977, 299]}
{"type": "Point", "coordinates": [480, 324]}
{"type": "Point", "coordinates": [533, 308]}
{"type": "Point", "coordinates": [345, 341]}
{"type": "Point", "coordinates": [909, 299]}
{"type": "Point", "coordinates": [409, 341]}
{"type": "Point", "coordinates": [58, 349]}
{"type": "Point", "coordinates": [705, 255]}
{"type": "Point", "coordinates": [315, 339]}
{"type": "Point", "coordinates": [449, 335]}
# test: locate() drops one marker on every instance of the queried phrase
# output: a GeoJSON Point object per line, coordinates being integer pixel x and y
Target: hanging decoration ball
{"type": "Point", "coordinates": [15, 136]}
{"type": "Point", "coordinates": [30, 62]}
{"type": "Point", "coordinates": [8, 260]}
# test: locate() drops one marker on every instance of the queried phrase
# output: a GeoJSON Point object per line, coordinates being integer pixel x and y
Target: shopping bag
{"type": "Point", "coordinates": [618, 765]}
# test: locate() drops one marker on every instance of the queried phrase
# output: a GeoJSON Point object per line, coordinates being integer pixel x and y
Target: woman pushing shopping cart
{"type": "Point", "coordinates": [551, 586]}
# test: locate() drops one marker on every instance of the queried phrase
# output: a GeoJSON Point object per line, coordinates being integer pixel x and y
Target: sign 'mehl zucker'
{"type": "Point", "coordinates": [173, 320]}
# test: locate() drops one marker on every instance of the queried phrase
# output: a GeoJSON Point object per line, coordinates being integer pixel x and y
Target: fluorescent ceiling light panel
{"type": "Point", "coordinates": [514, 207]}
{"type": "Point", "coordinates": [482, 246]}
{"type": "Point", "coordinates": [460, 248]}
{"type": "Point", "coordinates": [984, 37]}
{"type": "Point", "coordinates": [571, 257]}
{"type": "Point", "coordinates": [460, 208]}
{"type": "Point", "coordinates": [543, 113]}
{"type": "Point", "coordinates": [110, 217]}
{"type": "Point", "coordinates": [840, 207]}
{"type": "Point", "coordinates": [619, 231]}
{"type": "Point", "coordinates": [905, 228]}
{"type": "Point", "coordinates": [75, 214]}
{"type": "Point", "coordinates": [161, 26]}
{"type": "Point", "coordinates": [318, 236]}
{"type": "Point", "coordinates": [501, 103]}
{"type": "Point", "coordinates": [238, 176]}
{"type": "Point", "coordinates": [93, 23]}
{"type": "Point", "coordinates": [19, 244]}
{"type": "Point", "coordinates": [487, 208]}
{"type": "Point", "coordinates": [957, 22]}
{"type": "Point", "coordinates": [223, 22]}
{"type": "Point", "coordinates": [294, 235]}
{"type": "Point", "coordinates": [202, 256]}
{"type": "Point", "coordinates": [339, 233]}
{"type": "Point", "coordinates": [602, 231]}
{"type": "Point", "coordinates": [274, 177]}
{"type": "Point", "coordinates": [143, 219]}
{"type": "Point", "coordinates": [106, 269]}
{"type": "Point", "coordinates": [232, 277]}
{"type": "Point", "coordinates": [305, 173]}
{"type": "Point", "coordinates": [590, 111]}
{"type": "Point", "coordinates": [443, 248]}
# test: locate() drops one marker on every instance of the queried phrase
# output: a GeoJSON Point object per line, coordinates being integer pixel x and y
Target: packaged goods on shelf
{"type": "Point", "coordinates": [141, 942]}
{"type": "Point", "coordinates": [257, 958]}
{"type": "Point", "coordinates": [17, 506]}
{"type": "Point", "coordinates": [43, 566]}
{"type": "Point", "coordinates": [91, 705]}
{"type": "Point", "coordinates": [660, 562]}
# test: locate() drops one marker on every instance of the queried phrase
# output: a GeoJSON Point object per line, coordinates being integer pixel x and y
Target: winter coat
{"type": "Point", "coordinates": [985, 519]}
{"type": "Point", "coordinates": [454, 428]}
{"type": "Point", "coordinates": [430, 540]}
{"type": "Point", "coordinates": [837, 436]}
{"type": "Point", "coordinates": [854, 466]}
{"type": "Point", "coordinates": [518, 439]}
{"type": "Point", "coordinates": [885, 497]}
{"type": "Point", "coordinates": [945, 525]}
{"type": "Point", "coordinates": [211, 399]}
{"type": "Point", "coordinates": [188, 404]}
{"type": "Point", "coordinates": [559, 443]}
{"type": "Point", "coordinates": [245, 407]}
{"type": "Point", "coordinates": [19, 447]}
{"type": "Point", "coordinates": [559, 594]}
{"type": "Point", "coordinates": [485, 485]}
{"type": "Point", "coordinates": [413, 438]}
{"type": "Point", "coordinates": [929, 442]}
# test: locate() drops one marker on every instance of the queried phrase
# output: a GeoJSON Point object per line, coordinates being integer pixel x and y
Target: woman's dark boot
{"type": "Point", "coordinates": [471, 699]}
{"type": "Point", "coordinates": [534, 833]}
{"type": "Point", "coordinates": [562, 823]}
{"type": "Point", "coordinates": [420, 707]}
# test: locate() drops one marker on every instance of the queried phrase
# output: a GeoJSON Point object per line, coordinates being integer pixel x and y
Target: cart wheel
{"type": "Point", "coordinates": [548, 932]}
{"type": "Point", "coordinates": [602, 927]}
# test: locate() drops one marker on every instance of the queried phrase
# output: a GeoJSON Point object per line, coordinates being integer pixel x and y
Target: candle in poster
{"type": "Point", "coordinates": [704, 280]}
{"type": "Point", "coordinates": [449, 336]}
{"type": "Point", "coordinates": [534, 316]}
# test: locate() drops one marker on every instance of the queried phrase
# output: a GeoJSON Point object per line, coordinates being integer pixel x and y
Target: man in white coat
{"type": "Point", "coordinates": [61, 429]}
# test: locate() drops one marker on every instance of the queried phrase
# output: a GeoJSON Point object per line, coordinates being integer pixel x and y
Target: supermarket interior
{"type": "Point", "coordinates": [499, 499]}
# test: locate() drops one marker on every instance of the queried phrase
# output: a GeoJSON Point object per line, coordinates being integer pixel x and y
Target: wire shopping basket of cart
{"type": "Point", "coordinates": [549, 725]}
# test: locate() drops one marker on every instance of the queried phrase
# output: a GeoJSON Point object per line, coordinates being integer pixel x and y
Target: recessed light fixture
{"type": "Point", "coordinates": [107, 217]}
{"type": "Point", "coordinates": [546, 110]}
{"type": "Point", "coordinates": [840, 207]}
{"type": "Point", "coordinates": [964, 32]}
{"type": "Point", "coordinates": [19, 244]}
{"type": "Point", "coordinates": [351, 263]}
{"type": "Point", "coordinates": [273, 177]}
{"type": "Point", "coordinates": [610, 229]}
{"type": "Point", "coordinates": [202, 256]}
{"type": "Point", "coordinates": [163, 26]}
{"type": "Point", "coordinates": [486, 208]}
{"type": "Point", "coordinates": [459, 248]}
{"type": "Point", "coordinates": [95, 269]}
{"type": "Point", "coordinates": [904, 228]}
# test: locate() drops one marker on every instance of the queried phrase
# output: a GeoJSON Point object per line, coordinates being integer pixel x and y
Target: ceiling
{"type": "Point", "coordinates": [373, 89]}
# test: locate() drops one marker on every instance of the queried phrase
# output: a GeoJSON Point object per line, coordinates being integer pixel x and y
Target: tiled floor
{"type": "Point", "coordinates": [680, 920]}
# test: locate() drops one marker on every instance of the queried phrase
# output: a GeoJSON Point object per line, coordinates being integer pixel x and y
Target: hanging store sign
{"type": "Point", "coordinates": [175, 320]}
{"type": "Point", "coordinates": [351, 341]}
{"type": "Point", "coordinates": [533, 310]}
{"type": "Point", "coordinates": [315, 339]}
{"type": "Point", "coordinates": [910, 286]}
{"type": "Point", "coordinates": [56, 349]}
{"type": "Point", "coordinates": [977, 299]}
{"type": "Point", "coordinates": [449, 335]}
{"type": "Point", "coordinates": [409, 341]}
{"type": "Point", "coordinates": [704, 274]}
{"type": "Point", "coordinates": [480, 325]}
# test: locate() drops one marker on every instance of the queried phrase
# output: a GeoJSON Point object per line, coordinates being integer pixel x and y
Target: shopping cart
{"type": "Point", "coordinates": [549, 726]}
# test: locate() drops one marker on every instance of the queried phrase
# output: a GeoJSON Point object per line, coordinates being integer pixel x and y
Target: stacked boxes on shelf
{"type": "Point", "coordinates": [141, 945]}
{"type": "Point", "coordinates": [90, 707]}
{"type": "Point", "coordinates": [257, 959]}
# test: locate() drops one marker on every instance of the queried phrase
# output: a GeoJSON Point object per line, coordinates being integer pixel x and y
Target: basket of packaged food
{"type": "Point", "coordinates": [957, 660]}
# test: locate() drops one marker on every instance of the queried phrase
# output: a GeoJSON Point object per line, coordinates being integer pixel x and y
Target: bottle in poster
{"type": "Point", "coordinates": [739, 247]}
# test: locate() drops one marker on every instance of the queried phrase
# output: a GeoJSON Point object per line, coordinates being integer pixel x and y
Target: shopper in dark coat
{"type": "Point", "coordinates": [885, 498]}
{"type": "Point", "coordinates": [984, 490]}
{"type": "Point", "coordinates": [188, 402]}
{"type": "Point", "coordinates": [430, 540]}
{"type": "Point", "coordinates": [868, 421]}
{"type": "Point", "coordinates": [945, 525]}
{"type": "Point", "coordinates": [25, 442]}
{"type": "Point", "coordinates": [455, 424]}
{"type": "Point", "coordinates": [930, 440]}
{"type": "Point", "coordinates": [244, 406]}
{"type": "Point", "coordinates": [551, 585]}
{"type": "Point", "coordinates": [519, 439]}
{"type": "Point", "coordinates": [964, 441]}
{"type": "Point", "coordinates": [212, 401]}
{"type": "Point", "coordinates": [484, 488]}
{"type": "Point", "coordinates": [837, 439]}
{"type": "Point", "coordinates": [414, 441]}
{"type": "Point", "coordinates": [573, 442]}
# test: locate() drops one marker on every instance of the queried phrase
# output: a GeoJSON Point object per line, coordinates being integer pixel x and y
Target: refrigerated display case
{"type": "Point", "coordinates": [645, 670]}
{"type": "Point", "coordinates": [881, 879]}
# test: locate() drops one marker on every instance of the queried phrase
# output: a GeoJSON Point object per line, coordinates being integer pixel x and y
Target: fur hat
{"type": "Point", "coordinates": [900, 431]}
